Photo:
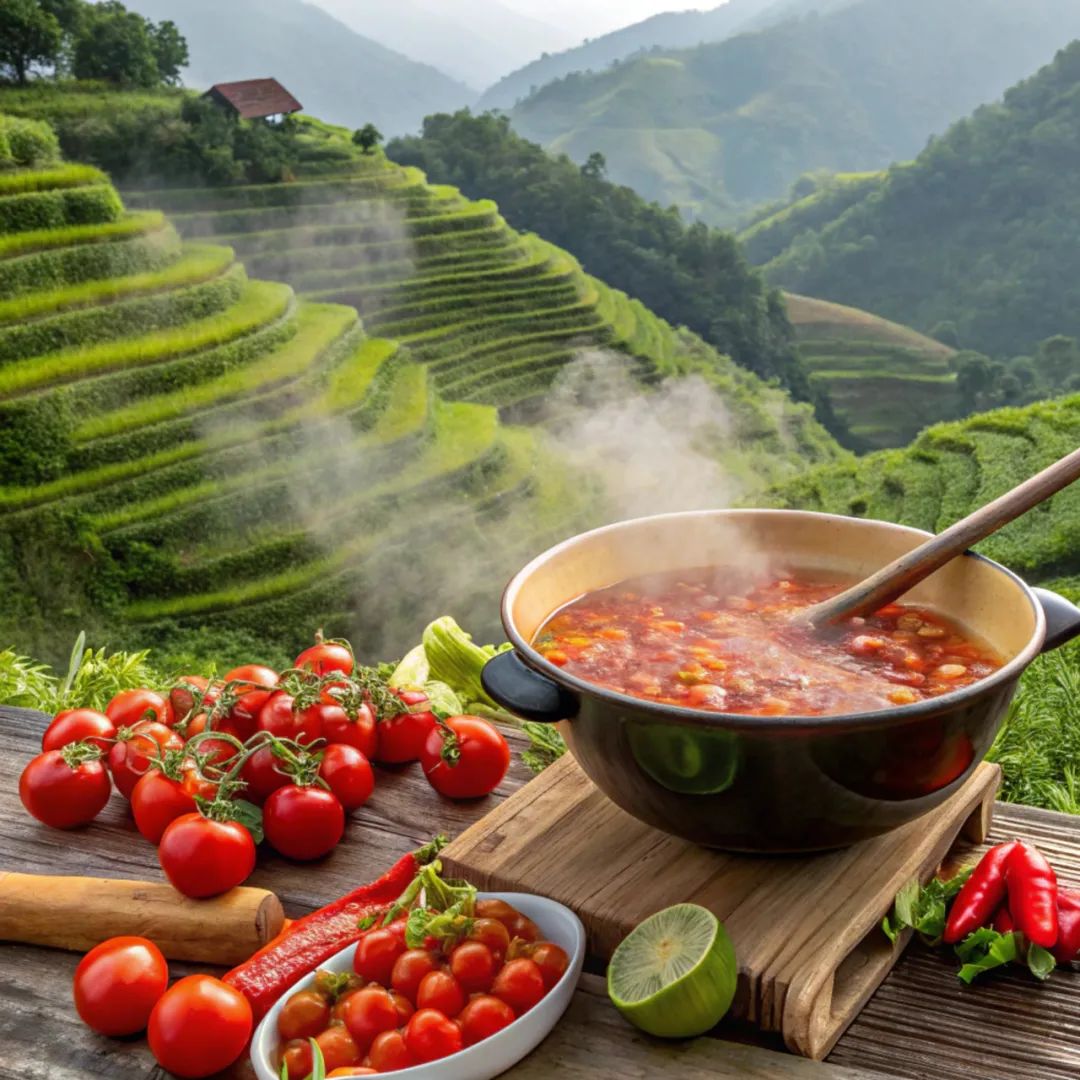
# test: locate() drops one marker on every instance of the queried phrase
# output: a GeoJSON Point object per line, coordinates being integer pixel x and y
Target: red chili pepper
{"type": "Point", "coordinates": [981, 894]}
{"type": "Point", "coordinates": [1033, 895]}
{"type": "Point", "coordinates": [1003, 920]}
{"type": "Point", "coordinates": [1067, 948]}
{"type": "Point", "coordinates": [312, 940]}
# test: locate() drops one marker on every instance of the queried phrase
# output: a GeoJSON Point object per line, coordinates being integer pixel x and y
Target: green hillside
{"type": "Point", "coordinates": [886, 382]}
{"type": "Point", "coordinates": [980, 230]}
{"type": "Point", "coordinates": [194, 456]}
{"type": "Point", "coordinates": [719, 128]}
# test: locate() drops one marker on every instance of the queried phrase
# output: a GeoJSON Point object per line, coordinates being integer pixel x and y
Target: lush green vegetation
{"type": "Point", "coordinates": [885, 382]}
{"type": "Point", "coordinates": [90, 41]}
{"type": "Point", "coordinates": [719, 128]}
{"type": "Point", "coordinates": [691, 275]}
{"type": "Point", "coordinates": [338, 74]}
{"type": "Point", "coordinates": [978, 233]}
{"type": "Point", "coordinates": [193, 459]}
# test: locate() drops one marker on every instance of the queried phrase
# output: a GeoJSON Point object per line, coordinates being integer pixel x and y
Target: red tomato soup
{"type": "Point", "coordinates": [698, 640]}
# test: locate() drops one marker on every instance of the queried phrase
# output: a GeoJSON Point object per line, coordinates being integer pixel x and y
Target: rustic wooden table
{"type": "Point", "coordinates": [922, 1023]}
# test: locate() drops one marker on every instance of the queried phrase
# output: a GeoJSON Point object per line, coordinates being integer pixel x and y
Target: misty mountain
{"type": "Point", "coordinates": [670, 30]}
{"type": "Point", "coordinates": [722, 127]}
{"type": "Point", "coordinates": [476, 43]}
{"type": "Point", "coordinates": [339, 75]}
{"type": "Point", "coordinates": [981, 231]}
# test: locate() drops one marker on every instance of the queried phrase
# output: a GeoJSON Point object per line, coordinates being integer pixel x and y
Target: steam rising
{"type": "Point", "coordinates": [654, 451]}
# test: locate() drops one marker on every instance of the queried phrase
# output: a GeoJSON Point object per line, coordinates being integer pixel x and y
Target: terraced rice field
{"type": "Point", "coordinates": [887, 381]}
{"type": "Point", "coordinates": [281, 404]}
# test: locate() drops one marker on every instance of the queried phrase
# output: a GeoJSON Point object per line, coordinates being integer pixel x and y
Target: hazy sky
{"type": "Point", "coordinates": [590, 17]}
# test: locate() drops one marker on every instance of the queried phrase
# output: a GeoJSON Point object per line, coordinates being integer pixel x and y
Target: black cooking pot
{"type": "Point", "coordinates": [775, 783]}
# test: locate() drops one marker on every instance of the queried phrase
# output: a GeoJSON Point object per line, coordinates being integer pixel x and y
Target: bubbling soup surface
{"type": "Point", "coordinates": [703, 639]}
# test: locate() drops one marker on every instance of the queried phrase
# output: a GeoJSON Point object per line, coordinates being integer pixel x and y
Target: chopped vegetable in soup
{"type": "Point", "coordinates": [701, 641]}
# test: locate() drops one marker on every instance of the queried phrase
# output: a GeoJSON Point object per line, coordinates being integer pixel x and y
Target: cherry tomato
{"type": "Point", "coordinates": [297, 1058]}
{"type": "Point", "coordinates": [279, 718]}
{"type": "Point", "coordinates": [466, 761]}
{"type": "Point", "coordinates": [349, 775]}
{"type": "Point", "coordinates": [338, 1047]}
{"type": "Point", "coordinates": [551, 960]}
{"type": "Point", "coordinates": [409, 968]}
{"type": "Point", "coordinates": [483, 1016]}
{"type": "Point", "coordinates": [473, 965]}
{"type": "Point", "coordinates": [255, 690]}
{"type": "Point", "coordinates": [431, 1036]}
{"type": "Point", "coordinates": [130, 706]}
{"type": "Point", "coordinates": [369, 1012]}
{"type": "Point", "coordinates": [440, 990]}
{"type": "Point", "coordinates": [65, 788]}
{"type": "Point", "coordinates": [389, 1052]}
{"type": "Point", "coordinates": [75, 725]}
{"type": "Point", "coordinates": [131, 756]}
{"type": "Point", "coordinates": [214, 751]}
{"type": "Point", "coordinates": [496, 909]}
{"type": "Point", "coordinates": [359, 730]}
{"type": "Point", "coordinates": [520, 984]}
{"type": "Point", "coordinates": [377, 952]}
{"type": "Point", "coordinates": [492, 933]}
{"type": "Point", "coordinates": [261, 775]}
{"type": "Point", "coordinates": [117, 984]}
{"type": "Point", "coordinates": [199, 1026]}
{"type": "Point", "coordinates": [203, 857]}
{"type": "Point", "coordinates": [522, 927]}
{"type": "Point", "coordinates": [190, 692]}
{"type": "Point", "coordinates": [324, 657]}
{"type": "Point", "coordinates": [303, 822]}
{"type": "Point", "coordinates": [404, 1006]}
{"type": "Point", "coordinates": [303, 1015]}
{"type": "Point", "coordinates": [402, 738]}
{"type": "Point", "coordinates": [156, 802]}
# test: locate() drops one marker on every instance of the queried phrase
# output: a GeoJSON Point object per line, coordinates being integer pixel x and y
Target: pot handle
{"type": "Point", "coordinates": [525, 692]}
{"type": "Point", "coordinates": [1062, 618]}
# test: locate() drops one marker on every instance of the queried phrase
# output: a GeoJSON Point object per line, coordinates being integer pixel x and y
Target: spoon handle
{"type": "Point", "coordinates": [891, 581]}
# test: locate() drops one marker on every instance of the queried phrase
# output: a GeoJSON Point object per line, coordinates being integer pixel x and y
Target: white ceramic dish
{"type": "Point", "coordinates": [492, 1056]}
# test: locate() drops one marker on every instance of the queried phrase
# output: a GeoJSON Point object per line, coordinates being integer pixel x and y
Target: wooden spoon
{"type": "Point", "coordinates": [891, 581]}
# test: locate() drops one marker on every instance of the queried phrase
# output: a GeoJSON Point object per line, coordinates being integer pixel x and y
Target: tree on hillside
{"type": "Point", "coordinates": [28, 35]}
{"type": "Point", "coordinates": [170, 50]}
{"type": "Point", "coordinates": [595, 168]}
{"type": "Point", "coordinates": [367, 137]}
{"type": "Point", "coordinates": [115, 45]}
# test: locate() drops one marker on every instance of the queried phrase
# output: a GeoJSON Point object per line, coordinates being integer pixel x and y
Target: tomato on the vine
{"type": "Point", "coordinates": [261, 775]}
{"type": "Point", "coordinates": [281, 718]}
{"type": "Point", "coordinates": [130, 757]}
{"type": "Point", "coordinates": [117, 984]}
{"type": "Point", "coordinates": [465, 757]}
{"type": "Point", "coordinates": [65, 788]}
{"type": "Point", "coordinates": [202, 857]}
{"type": "Point", "coordinates": [75, 725]}
{"type": "Point", "coordinates": [199, 1026]}
{"type": "Point", "coordinates": [189, 695]}
{"type": "Point", "coordinates": [256, 684]}
{"type": "Point", "coordinates": [195, 783]}
{"type": "Point", "coordinates": [303, 822]}
{"type": "Point", "coordinates": [402, 737]}
{"type": "Point", "coordinates": [430, 1035]}
{"type": "Point", "coordinates": [324, 657]}
{"type": "Point", "coordinates": [157, 801]}
{"type": "Point", "coordinates": [482, 1017]}
{"type": "Point", "coordinates": [130, 706]}
{"type": "Point", "coordinates": [351, 727]}
{"type": "Point", "coordinates": [348, 773]}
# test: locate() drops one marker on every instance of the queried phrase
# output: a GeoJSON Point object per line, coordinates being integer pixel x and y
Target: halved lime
{"type": "Point", "coordinates": [674, 974]}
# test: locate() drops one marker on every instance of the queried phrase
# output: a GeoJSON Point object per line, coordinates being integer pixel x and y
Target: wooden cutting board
{"type": "Point", "coordinates": [806, 929]}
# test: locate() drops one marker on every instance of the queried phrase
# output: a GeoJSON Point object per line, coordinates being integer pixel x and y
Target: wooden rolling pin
{"type": "Point", "coordinates": [78, 913]}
